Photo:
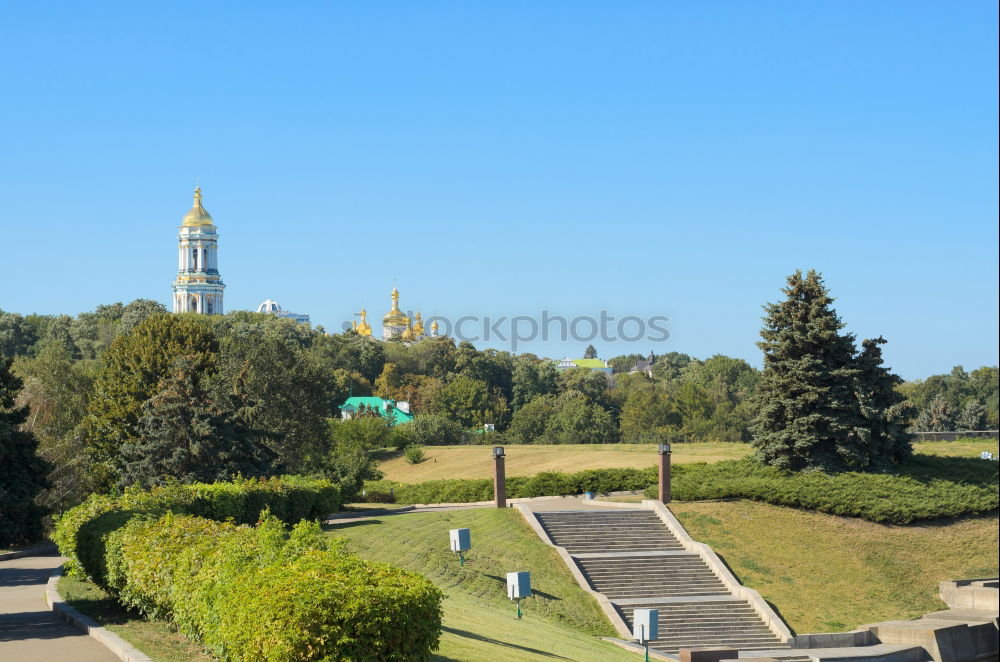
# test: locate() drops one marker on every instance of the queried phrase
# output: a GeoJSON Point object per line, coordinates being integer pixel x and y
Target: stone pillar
{"type": "Point", "coordinates": [499, 478]}
{"type": "Point", "coordinates": [664, 486]}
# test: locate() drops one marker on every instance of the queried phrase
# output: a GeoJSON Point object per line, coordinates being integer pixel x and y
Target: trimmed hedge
{"type": "Point", "coordinates": [462, 490]}
{"type": "Point", "coordinates": [81, 531]}
{"type": "Point", "coordinates": [926, 487]}
{"type": "Point", "coordinates": [262, 593]}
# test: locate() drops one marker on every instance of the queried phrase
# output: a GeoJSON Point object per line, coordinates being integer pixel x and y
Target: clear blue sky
{"type": "Point", "coordinates": [643, 158]}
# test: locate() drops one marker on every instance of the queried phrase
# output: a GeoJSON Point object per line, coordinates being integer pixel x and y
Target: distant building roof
{"type": "Point", "coordinates": [385, 407]}
{"type": "Point", "coordinates": [590, 364]}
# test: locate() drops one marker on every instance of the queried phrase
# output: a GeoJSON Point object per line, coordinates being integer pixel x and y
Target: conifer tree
{"type": "Point", "coordinates": [807, 413]}
{"type": "Point", "coordinates": [937, 416]}
{"type": "Point", "coordinates": [23, 474]}
{"type": "Point", "coordinates": [185, 435]}
{"type": "Point", "coordinates": [884, 408]}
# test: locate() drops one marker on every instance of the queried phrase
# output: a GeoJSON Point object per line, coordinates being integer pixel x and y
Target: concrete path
{"type": "Point", "coordinates": [29, 632]}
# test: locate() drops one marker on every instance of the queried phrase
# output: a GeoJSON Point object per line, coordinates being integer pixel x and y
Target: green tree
{"type": "Point", "coordinates": [57, 390]}
{"type": "Point", "coordinates": [17, 336]}
{"type": "Point", "coordinates": [807, 412]}
{"type": "Point", "coordinates": [578, 420]}
{"type": "Point", "coordinates": [348, 459]}
{"type": "Point", "coordinates": [646, 408]}
{"type": "Point", "coordinates": [529, 422]}
{"type": "Point", "coordinates": [130, 374]}
{"type": "Point", "coordinates": [590, 352]}
{"type": "Point", "coordinates": [593, 384]}
{"type": "Point", "coordinates": [466, 401]}
{"type": "Point", "coordinates": [185, 435]}
{"type": "Point", "coordinates": [884, 408]}
{"type": "Point", "coordinates": [138, 311]}
{"type": "Point", "coordinates": [22, 471]}
{"type": "Point", "coordinates": [937, 416]}
{"type": "Point", "coordinates": [277, 385]}
{"type": "Point", "coordinates": [430, 429]}
{"type": "Point", "coordinates": [531, 378]}
{"type": "Point", "coordinates": [972, 416]}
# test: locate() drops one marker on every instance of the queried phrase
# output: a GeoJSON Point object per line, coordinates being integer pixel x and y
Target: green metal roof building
{"type": "Point", "coordinates": [395, 413]}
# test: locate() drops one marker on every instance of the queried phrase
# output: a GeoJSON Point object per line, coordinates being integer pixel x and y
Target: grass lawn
{"type": "Point", "coordinates": [560, 622]}
{"type": "Point", "coordinates": [527, 460]}
{"type": "Point", "coordinates": [827, 573]}
{"type": "Point", "coordinates": [154, 638]}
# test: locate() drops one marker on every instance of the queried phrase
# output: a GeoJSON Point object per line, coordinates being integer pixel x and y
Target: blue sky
{"type": "Point", "coordinates": [675, 159]}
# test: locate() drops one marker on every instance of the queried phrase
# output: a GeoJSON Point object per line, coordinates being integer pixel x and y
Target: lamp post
{"type": "Point", "coordinates": [664, 486]}
{"type": "Point", "coordinates": [499, 478]}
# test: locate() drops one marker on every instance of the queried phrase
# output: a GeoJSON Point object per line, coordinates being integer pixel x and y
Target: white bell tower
{"type": "Point", "coordinates": [198, 286]}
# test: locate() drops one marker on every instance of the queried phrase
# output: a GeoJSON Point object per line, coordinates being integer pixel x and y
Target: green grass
{"type": "Point", "coordinates": [156, 639]}
{"type": "Point", "coordinates": [827, 573]}
{"type": "Point", "coordinates": [561, 621]}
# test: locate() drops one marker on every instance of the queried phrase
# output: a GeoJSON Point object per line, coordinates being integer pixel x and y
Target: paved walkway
{"type": "Point", "coordinates": [29, 632]}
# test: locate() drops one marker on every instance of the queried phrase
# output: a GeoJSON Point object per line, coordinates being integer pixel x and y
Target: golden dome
{"type": "Point", "coordinates": [408, 332]}
{"type": "Point", "coordinates": [363, 328]}
{"type": "Point", "coordinates": [418, 326]}
{"type": "Point", "coordinates": [197, 217]}
{"type": "Point", "coordinates": [395, 317]}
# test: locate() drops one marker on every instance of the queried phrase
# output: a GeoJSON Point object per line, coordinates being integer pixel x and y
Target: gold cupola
{"type": "Point", "coordinates": [395, 317]}
{"type": "Point", "coordinates": [418, 326]}
{"type": "Point", "coordinates": [408, 332]}
{"type": "Point", "coordinates": [197, 217]}
{"type": "Point", "coordinates": [362, 327]}
{"type": "Point", "coordinates": [434, 328]}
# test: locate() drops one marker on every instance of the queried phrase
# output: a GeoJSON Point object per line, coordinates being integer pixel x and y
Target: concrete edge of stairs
{"type": "Point", "coordinates": [715, 564]}
{"type": "Point", "coordinates": [764, 610]}
{"type": "Point", "coordinates": [609, 609]}
{"type": "Point", "coordinates": [633, 647]}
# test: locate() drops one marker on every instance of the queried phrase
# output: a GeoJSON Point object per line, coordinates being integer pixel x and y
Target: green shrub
{"type": "Point", "coordinates": [414, 454]}
{"type": "Point", "coordinates": [461, 490]}
{"type": "Point", "coordinates": [262, 593]}
{"type": "Point", "coordinates": [81, 532]}
{"type": "Point", "coordinates": [924, 488]}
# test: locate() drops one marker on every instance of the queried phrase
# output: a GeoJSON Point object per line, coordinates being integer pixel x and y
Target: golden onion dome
{"type": "Point", "coordinates": [395, 317]}
{"type": "Point", "coordinates": [197, 217]}
{"type": "Point", "coordinates": [408, 332]}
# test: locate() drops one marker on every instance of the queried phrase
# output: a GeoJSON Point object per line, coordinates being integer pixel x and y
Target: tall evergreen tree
{"type": "Point", "coordinates": [885, 409]}
{"type": "Point", "coordinates": [22, 472]}
{"type": "Point", "coordinates": [937, 416]}
{"type": "Point", "coordinates": [807, 412]}
{"type": "Point", "coordinates": [185, 435]}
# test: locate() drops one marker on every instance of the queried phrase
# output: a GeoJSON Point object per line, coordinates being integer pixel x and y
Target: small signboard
{"type": "Point", "coordinates": [645, 625]}
{"type": "Point", "coordinates": [461, 540]}
{"type": "Point", "coordinates": [518, 585]}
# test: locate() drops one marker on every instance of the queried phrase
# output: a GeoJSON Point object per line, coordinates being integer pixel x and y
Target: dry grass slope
{"type": "Point", "coordinates": [474, 461]}
{"type": "Point", "coordinates": [827, 573]}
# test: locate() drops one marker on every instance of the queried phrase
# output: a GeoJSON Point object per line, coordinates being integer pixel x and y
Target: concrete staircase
{"type": "Point", "coordinates": [636, 562]}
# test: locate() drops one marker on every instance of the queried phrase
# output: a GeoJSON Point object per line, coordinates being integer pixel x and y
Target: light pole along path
{"type": "Point", "coordinates": [29, 632]}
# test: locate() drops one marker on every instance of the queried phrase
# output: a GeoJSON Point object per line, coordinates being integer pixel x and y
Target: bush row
{"type": "Point", "coordinates": [924, 488]}
{"type": "Point", "coordinates": [81, 531]}
{"type": "Point", "coordinates": [261, 593]}
{"type": "Point", "coordinates": [460, 490]}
